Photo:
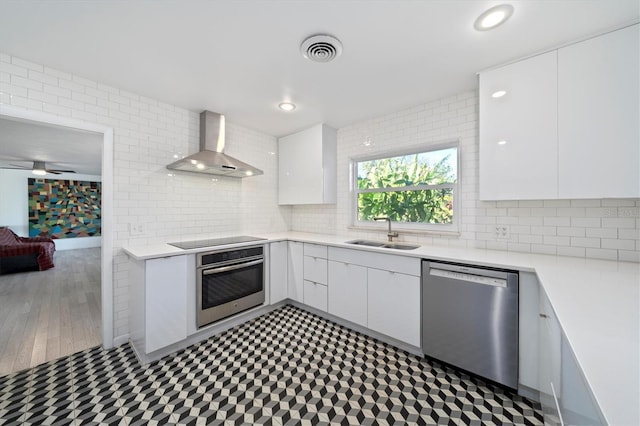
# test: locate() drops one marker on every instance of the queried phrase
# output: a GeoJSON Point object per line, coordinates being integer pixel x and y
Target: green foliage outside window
{"type": "Point", "coordinates": [416, 188]}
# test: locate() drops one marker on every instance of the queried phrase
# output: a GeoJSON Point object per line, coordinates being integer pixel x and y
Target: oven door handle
{"type": "Point", "coordinates": [231, 267]}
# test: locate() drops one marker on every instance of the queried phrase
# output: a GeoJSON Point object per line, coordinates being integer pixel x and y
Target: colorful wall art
{"type": "Point", "coordinates": [64, 208]}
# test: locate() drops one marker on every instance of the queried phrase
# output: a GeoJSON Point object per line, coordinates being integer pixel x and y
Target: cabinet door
{"type": "Point", "coordinates": [347, 287]}
{"type": "Point", "coordinates": [300, 175]}
{"type": "Point", "coordinates": [598, 103]}
{"type": "Point", "coordinates": [518, 131]}
{"type": "Point", "coordinates": [577, 403]}
{"type": "Point", "coordinates": [165, 302]}
{"type": "Point", "coordinates": [549, 358]}
{"type": "Point", "coordinates": [277, 271]}
{"type": "Point", "coordinates": [315, 294]}
{"type": "Point", "coordinates": [394, 305]}
{"type": "Point", "coordinates": [295, 286]}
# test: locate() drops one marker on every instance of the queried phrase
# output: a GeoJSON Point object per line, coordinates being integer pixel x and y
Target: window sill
{"type": "Point", "coordinates": [412, 231]}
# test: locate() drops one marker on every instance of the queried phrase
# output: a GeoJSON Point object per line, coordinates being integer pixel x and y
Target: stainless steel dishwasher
{"type": "Point", "coordinates": [470, 319]}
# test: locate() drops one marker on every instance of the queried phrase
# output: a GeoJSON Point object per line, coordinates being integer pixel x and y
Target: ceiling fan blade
{"type": "Point", "coordinates": [57, 172]}
{"type": "Point", "coordinates": [16, 167]}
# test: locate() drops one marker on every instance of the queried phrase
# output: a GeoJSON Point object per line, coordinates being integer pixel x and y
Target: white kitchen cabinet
{"type": "Point", "coordinates": [549, 361]}
{"type": "Point", "coordinates": [295, 266]}
{"type": "Point", "coordinates": [393, 302]}
{"type": "Point", "coordinates": [599, 106]}
{"type": "Point", "coordinates": [278, 271]}
{"type": "Point", "coordinates": [528, 326]}
{"type": "Point", "coordinates": [307, 166]}
{"type": "Point", "coordinates": [567, 126]}
{"type": "Point", "coordinates": [577, 403]}
{"type": "Point", "coordinates": [518, 131]}
{"type": "Point", "coordinates": [315, 295]}
{"type": "Point", "coordinates": [158, 303]}
{"type": "Point", "coordinates": [347, 287]}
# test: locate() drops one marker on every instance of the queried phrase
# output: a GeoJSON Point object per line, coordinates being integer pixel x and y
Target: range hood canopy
{"type": "Point", "coordinates": [211, 158]}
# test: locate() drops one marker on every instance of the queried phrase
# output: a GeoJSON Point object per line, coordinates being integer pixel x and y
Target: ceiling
{"type": "Point", "coordinates": [23, 142]}
{"type": "Point", "coordinates": [242, 58]}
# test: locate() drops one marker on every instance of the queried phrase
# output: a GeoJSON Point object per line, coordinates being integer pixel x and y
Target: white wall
{"type": "Point", "coordinates": [14, 212]}
{"type": "Point", "coordinates": [606, 229]}
{"type": "Point", "coordinates": [147, 133]}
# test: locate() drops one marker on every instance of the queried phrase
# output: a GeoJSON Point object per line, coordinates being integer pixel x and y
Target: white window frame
{"type": "Point", "coordinates": [419, 228]}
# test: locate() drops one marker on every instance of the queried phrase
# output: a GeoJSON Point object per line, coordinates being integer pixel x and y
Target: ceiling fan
{"type": "Point", "coordinates": [39, 168]}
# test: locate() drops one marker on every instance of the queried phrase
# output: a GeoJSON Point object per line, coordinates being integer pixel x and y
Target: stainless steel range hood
{"type": "Point", "coordinates": [211, 159]}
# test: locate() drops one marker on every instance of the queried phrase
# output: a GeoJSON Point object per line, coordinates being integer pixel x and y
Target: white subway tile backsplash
{"type": "Point", "coordinates": [590, 222]}
{"type": "Point", "coordinates": [556, 221]}
{"type": "Point", "coordinates": [608, 243]}
{"type": "Point", "coordinates": [571, 251]}
{"type": "Point", "coordinates": [570, 232]}
{"type": "Point", "coordinates": [602, 254]}
{"type": "Point", "coordinates": [585, 242]}
{"type": "Point", "coordinates": [625, 222]}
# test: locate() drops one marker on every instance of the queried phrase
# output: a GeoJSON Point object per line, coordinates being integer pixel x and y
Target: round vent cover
{"type": "Point", "coordinates": [321, 48]}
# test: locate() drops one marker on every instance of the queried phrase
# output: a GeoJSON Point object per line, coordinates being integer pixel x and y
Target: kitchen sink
{"type": "Point", "coordinates": [396, 246]}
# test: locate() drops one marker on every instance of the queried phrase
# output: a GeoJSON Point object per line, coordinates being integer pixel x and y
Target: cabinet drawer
{"type": "Point", "coordinates": [315, 250]}
{"type": "Point", "coordinates": [315, 295]}
{"type": "Point", "coordinates": [315, 269]}
{"type": "Point", "coordinates": [388, 262]}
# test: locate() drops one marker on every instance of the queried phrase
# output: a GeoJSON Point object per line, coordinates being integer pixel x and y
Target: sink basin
{"type": "Point", "coordinates": [396, 246]}
{"type": "Point", "coordinates": [366, 243]}
{"type": "Point", "coordinates": [401, 246]}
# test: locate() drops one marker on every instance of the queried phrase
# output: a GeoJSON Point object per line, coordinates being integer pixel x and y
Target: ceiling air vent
{"type": "Point", "coordinates": [321, 48]}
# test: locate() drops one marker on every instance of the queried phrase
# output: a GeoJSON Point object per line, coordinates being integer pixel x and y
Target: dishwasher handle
{"type": "Point", "coordinates": [475, 279]}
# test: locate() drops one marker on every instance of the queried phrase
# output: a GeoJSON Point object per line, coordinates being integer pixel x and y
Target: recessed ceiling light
{"type": "Point", "coordinates": [38, 172]}
{"type": "Point", "coordinates": [493, 17]}
{"type": "Point", "coordinates": [499, 94]}
{"type": "Point", "coordinates": [287, 106]}
{"type": "Point", "coordinates": [248, 173]}
{"type": "Point", "coordinates": [200, 166]}
{"type": "Point", "coordinates": [502, 142]}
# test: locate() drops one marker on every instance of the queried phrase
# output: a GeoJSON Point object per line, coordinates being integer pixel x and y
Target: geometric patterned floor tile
{"type": "Point", "coordinates": [287, 367]}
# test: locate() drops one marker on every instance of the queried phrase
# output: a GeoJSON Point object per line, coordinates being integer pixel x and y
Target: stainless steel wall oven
{"type": "Point", "coordinates": [228, 282]}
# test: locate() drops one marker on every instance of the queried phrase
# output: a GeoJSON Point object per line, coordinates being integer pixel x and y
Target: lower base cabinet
{"type": "Point", "coordinates": [394, 305]}
{"type": "Point", "coordinates": [158, 305]}
{"type": "Point", "coordinates": [277, 271]}
{"type": "Point", "coordinates": [348, 292]}
{"type": "Point", "coordinates": [565, 396]}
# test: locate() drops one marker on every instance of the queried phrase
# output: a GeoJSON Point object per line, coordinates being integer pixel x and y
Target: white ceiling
{"type": "Point", "coordinates": [23, 142]}
{"type": "Point", "coordinates": [241, 58]}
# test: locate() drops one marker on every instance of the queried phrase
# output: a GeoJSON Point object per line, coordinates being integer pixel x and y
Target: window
{"type": "Point", "coordinates": [415, 189]}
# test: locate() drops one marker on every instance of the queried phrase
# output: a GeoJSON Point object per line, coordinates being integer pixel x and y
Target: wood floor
{"type": "Point", "coordinates": [45, 315]}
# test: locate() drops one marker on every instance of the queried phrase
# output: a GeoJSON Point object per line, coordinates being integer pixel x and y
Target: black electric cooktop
{"type": "Point", "coordinates": [212, 242]}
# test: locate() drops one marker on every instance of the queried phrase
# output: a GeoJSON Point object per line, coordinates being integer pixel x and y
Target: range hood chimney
{"type": "Point", "coordinates": [211, 158]}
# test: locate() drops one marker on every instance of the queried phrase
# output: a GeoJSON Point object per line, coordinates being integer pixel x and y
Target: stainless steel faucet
{"type": "Point", "coordinates": [389, 233]}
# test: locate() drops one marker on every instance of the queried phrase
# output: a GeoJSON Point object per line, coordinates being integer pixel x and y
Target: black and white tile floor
{"type": "Point", "coordinates": [286, 367]}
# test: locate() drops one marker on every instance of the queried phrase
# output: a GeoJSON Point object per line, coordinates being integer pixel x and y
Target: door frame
{"type": "Point", "coordinates": [107, 201]}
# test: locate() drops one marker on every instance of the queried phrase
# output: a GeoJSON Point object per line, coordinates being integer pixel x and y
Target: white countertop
{"type": "Point", "coordinates": [597, 303]}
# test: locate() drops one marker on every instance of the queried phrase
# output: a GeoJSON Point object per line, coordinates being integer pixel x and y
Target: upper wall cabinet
{"type": "Point", "coordinates": [599, 113]}
{"type": "Point", "coordinates": [307, 166]}
{"type": "Point", "coordinates": [518, 130]}
{"type": "Point", "coordinates": [566, 125]}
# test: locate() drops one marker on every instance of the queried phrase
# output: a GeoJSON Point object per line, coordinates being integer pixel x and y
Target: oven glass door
{"type": "Point", "coordinates": [228, 283]}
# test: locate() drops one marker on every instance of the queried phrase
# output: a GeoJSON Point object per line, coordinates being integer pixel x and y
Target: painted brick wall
{"type": "Point", "coordinates": [147, 134]}
{"type": "Point", "coordinates": [604, 229]}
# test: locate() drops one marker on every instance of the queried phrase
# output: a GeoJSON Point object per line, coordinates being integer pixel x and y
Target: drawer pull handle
{"type": "Point", "coordinates": [544, 316]}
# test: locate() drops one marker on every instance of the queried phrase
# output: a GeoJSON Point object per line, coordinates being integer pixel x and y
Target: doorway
{"type": "Point", "coordinates": [83, 274]}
